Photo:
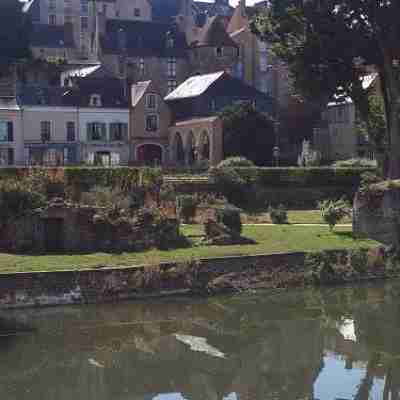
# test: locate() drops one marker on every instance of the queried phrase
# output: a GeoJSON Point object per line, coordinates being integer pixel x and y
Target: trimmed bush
{"type": "Point", "coordinates": [356, 163]}
{"type": "Point", "coordinates": [333, 211]}
{"type": "Point", "coordinates": [232, 162]}
{"type": "Point", "coordinates": [230, 217]}
{"type": "Point", "coordinates": [278, 214]}
{"type": "Point", "coordinates": [186, 206]}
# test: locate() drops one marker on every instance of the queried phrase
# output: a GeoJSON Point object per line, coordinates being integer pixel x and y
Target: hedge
{"type": "Point", "coordinates": [86, 177]}
{"type": "Point", "coordinates": [302, 177]}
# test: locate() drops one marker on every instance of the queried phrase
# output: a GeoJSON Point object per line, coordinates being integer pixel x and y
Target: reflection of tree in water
{"type": "Point", "coordinates": [274, 346]}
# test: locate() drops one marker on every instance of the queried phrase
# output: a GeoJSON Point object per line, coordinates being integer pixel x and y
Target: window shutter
{"type": "Point", "coordinates": [89, 131]}
{"type": "Point", "coordinates": [124, 132]}
{"type": "Point", "coordinates": [112, 131]}
{"type": "Point", "coordinates": [10, 156]}
{"type": "Point", "coordinates": [10, 131]}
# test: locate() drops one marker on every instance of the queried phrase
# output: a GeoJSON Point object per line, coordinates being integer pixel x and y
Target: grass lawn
{"type": "Point", "coordinates": [270, 239]}
{"type": "Point", "coordinates": [294, 217]}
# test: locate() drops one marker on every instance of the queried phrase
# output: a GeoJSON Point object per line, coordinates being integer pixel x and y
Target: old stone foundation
{"type": "Point", "coordinates": [376, 214]}
{"type": "Point", "coordinates": [209, 276]}
{"type": "Point", "coordinates": [64, 227]}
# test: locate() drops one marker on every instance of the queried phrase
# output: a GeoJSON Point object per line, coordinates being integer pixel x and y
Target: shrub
{"type": "Point", "coordinates": [17, 199]}
{"type": "Point", "coordinates": [231, 162]}
{"type": "Point", "coordinates": [333, 211]}
{"type": "Point", "coordinates": [278, 215]}
{"type": "Point", "coordinates": [167, 193]}
{"type": "Point", "coordinates": [231, 185]}
{"type": "Point", "coordinates": [186, 206]}
{"type": "Point", "coordinates": [230, 217]}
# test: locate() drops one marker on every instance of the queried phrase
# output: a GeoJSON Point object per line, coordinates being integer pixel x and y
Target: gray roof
{"type": "Point", "coordinates": [52, 36]}
{"type": "Point", "coordinates": [194, 86]}
{"type": "Point", "coordinates": [138, 90]}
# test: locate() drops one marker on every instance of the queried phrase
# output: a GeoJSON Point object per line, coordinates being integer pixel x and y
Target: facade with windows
{"type": "Point", "coordinates": [11, 144]}
{"type": "Point", "coordinates": [50, 135]}
{"type": "Point", "coordinates": [150, 119]}
{"type": "Point", "coordinates": [104, 136]}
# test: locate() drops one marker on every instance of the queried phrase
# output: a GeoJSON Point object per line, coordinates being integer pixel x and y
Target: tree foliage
{"type": "Point", "coordinates": [247, 133]}
{"type": "Point", "coordinates": [330, 44]}
{"type": "Point", "coordinates": [14, 34]}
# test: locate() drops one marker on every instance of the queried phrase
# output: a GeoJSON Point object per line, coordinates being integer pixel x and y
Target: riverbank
{"type": "Point", "coordinates": [196, 277]}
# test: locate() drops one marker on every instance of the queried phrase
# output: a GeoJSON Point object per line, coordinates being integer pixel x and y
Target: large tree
{"type": "Point", "coordinates": [247, 133]}
{"type": "Point", "coordinates": [14, 34]}
{"type": "Point", "coordinates": [330, 44]}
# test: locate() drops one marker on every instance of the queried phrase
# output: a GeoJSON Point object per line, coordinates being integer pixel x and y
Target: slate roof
{"type": "Point", "coordinates": [165, 11]}
{"type": "Point", "coordinates": [138, 90]}
{"type": "Point", "coordinates": [142, 38]}
{"type": "Point", "coordinates": [33, 95]}
{"type": "Point", "coordinates": [194, 86]}
{"type": "Point", "coordinates": [111, 91]}
{"type": "Point", "coordinates": [214, 34]}
{"type": "Point", "coordinates": [212, 9]}
{"type": "Point", "coordinates": [51, 36]}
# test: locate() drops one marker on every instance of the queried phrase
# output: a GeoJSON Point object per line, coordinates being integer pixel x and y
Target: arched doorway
{"type": "Point", "coordinates": [191, 149]}
{"type": "Point", "coordinates": [149, 154]}
{"type": "Point", "coordinates": [179, 152]}
{"type": "Point", "coordinates": [205, 146]}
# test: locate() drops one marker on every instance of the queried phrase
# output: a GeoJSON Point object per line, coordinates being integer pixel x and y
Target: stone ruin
{"type": "Point", "coordinates": [219, 234]}
{"type": "Point", "coordinates": [66, 227]}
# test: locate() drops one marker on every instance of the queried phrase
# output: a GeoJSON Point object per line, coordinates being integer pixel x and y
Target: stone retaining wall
{"type": "Point", "coordinates": [114, 284]}
{"type": "Point", "coordinates": [208, 276]}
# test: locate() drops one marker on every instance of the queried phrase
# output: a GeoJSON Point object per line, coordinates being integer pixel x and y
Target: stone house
{"type": "Point", "coordinates": [196, 132]}
{"type": "Point", "coordinates": [103, 118]}
{"type": "Point", "coordinates": [11, 145]}
{"type": "Point", "coordinates": [337, 137]}
{"type": "Point", "coordinates": [150, 119]}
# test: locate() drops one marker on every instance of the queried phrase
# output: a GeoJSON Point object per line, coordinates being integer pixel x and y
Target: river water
{"type": "Point", "coordinates": [334, 343]}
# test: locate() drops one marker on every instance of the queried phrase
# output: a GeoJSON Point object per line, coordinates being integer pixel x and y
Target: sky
{"type": "Point", "coordinates": [235, 2]}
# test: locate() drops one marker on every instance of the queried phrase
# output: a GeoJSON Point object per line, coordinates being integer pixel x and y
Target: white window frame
{"type": "Point", "coordinates": [157, 123]}
{"type": "Point", "coordinates": [148, 102]}
{"type": "Point", "coordinates": [52, 19]}
{"type": "Point", "coordinates": [171, 67]}
{"type": "Point", "coordinates": [50, 130]}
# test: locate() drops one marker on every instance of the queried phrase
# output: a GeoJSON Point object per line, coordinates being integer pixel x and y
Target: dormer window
{"type": "Point", "coordinates": [151, 101]}
{"type": "Point", "coordinates": [95, 100]}
{"type": "Point", "coordinates": [136, 12]}
{"type": "Point", "coordinates": [219, 51]}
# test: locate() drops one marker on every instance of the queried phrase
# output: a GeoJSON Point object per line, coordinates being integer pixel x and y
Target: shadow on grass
{"type": "Point", "coordinates": [347, 235]}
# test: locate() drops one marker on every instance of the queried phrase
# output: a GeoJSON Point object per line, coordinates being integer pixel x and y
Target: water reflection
{"type": "Point", "coordinates": [328, 344]}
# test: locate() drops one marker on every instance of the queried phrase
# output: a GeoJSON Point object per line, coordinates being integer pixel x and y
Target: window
{"type": "Point", "coordinates": [121, 66]}
{"type": "Point", "coordinates": [170, 42]}
{"type": "Point", "coordinates": [71, 131]}
{"type": "Point", "coordinates": [136, 12]}
{"type": "Point", "coordinates": [151, 123]}
{"type": "Point", "coordinates": [52, 4]}
{"type": "Point", "coordinates": [45, 131]}
{"type": "Point", "coordinates": [52, 19]}
{"type": "Point", "coordinates": [118, 132]}
{"type": "Point", "coordinates": [68, 19]}
{"type": "Point", "coordinates": [6, 131]}
{"type": "Point", "coordinates": [95, 100]}
{"type": "Point", "coordinates": [263, 63]}
{"type": "Point", "coordinates": [219, 51]}
{"type": "Point", "coordinates": [96, 131]}
{"type": "Point", "coordinates": [171, 67]}
{"type": "Point", "coordinates": [141, 66]}
{"type": "Point", "coordinates": [213, 105]}
{"type": "Point", "coordinates": [172, 84]}
{"type": "Point", "coordinates": [105, 9]}
{"type": "Point", "coordinates": [84, 23]}
{"type": "Point", "coordinates": [84, 6]}
{"type": "Point", "coordinates": [6, 156]}
{"type": "Point", "coordinates": [151, 101]}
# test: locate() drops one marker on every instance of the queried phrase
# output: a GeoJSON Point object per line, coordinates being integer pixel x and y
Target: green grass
{"type": "Point", "coordinates": [294, 217]}
{"type": "Point", "coordinates": [270, 239]}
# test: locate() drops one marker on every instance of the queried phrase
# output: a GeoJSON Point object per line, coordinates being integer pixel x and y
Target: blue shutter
{"type": "Point", "coordinates": [10, 131]}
